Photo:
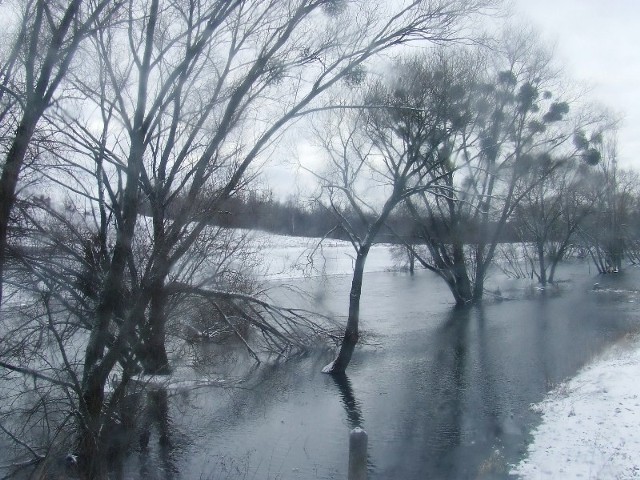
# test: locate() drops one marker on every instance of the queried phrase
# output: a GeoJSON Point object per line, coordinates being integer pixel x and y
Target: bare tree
{"type": "Point", "coordinates": [45, 335]}
{"type": "Point", "coordinates": [45, 40]}
{"type": "Point", "coordinates": [280, 80]}
{"type": "Point", "coordinates": [606, 233]}
{"type": "Point", "coordinates": [549, 216]}
{"type": "Point", "coordinates": [381, 157]}
{"type": "Point", "coordinates": [512, 125]}
{"type": "Point", "coordinates": [178, 100]}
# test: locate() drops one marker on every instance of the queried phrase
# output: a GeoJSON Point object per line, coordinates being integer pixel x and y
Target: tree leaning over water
{"type": "Point", "coordinates": [396, 148]}
{"type": "Point", "coordinates": [363, 158]}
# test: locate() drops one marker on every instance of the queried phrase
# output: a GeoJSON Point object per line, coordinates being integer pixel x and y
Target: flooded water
{"type": "Point", "coordinates": [442, 393]}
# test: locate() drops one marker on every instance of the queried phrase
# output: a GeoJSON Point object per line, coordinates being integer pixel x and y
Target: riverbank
{"type": "Point", "coordinates": [590, 427]}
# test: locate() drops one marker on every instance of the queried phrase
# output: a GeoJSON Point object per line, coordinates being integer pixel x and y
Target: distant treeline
{"type": "Point", "coordinates": [261, 211]}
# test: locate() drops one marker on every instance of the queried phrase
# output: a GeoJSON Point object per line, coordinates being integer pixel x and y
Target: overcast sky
{"type": "Point", "coordinates": [598, 44]}
{"type": "Point", "coordinates": [598, 41]}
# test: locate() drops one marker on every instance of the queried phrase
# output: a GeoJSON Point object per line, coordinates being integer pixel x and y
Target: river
{"type": "Point", "coordinates": [442, 393]}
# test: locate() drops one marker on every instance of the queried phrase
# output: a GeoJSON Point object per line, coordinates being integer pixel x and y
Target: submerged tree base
{"type": "Point", "coordinates": [341, 362]}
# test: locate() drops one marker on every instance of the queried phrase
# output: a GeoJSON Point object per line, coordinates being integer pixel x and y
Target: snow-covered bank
{"type": "Point", "coordinates": [591, 424]}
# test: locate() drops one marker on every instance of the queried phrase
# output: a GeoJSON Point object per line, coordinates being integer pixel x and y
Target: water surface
{"type": "Point", "coordinates": [442, 392]}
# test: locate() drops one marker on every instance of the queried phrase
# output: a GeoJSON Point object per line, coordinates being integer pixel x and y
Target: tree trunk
{"type": "Point", "coordinates": [412, 262]}
{"type": "Point", "coordinates": [463, 284]}
{"type": "Point", "coordinates": [154, 355]}
{"type": "Point", "coordinates": [459, 284]}
{"type": "Point", "coordinates": [541, 262]}
{"type": "Point", "coordinates": [453, 270]}
{"type": "Point", "coordinates": [478, 287]}
{"type": "Point", "coordinates": [559, 255]}
{"type": "Point", "coordinates": [350, 339]}
{"type": "Point", "coordinates": [9, 180]}
{"type": "Point", "coordinates": [91, 455]}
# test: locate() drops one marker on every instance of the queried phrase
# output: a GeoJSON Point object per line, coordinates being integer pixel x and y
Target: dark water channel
{"type": "Point", "coordinates": [442, 393]}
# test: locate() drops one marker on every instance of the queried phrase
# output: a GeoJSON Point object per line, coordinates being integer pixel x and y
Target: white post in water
{"type": "Point", "coordinates": [358, 454]}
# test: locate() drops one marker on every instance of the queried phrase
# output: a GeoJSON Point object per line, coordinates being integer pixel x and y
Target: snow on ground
{"type": "Point", "coordinates": [285, 257]}
{"type": "Point", "coordinates": [591, 424]}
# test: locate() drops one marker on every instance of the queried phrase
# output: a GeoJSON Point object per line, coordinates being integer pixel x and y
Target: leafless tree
{"type": "Point", "coordinates": [549, 216]}
{"type": "Point", "coordinates": [44, 41]}
{"type": "Point", "coordinates": [608, 232]}
{"type": "Point", "coordinates": [512, 125]}
{"type": "Point", "coordinates": [47, 330]}
{"type": "Point", "coordinates": [177, 101]}
{"type": "Point", "coordinates": [380, 157]}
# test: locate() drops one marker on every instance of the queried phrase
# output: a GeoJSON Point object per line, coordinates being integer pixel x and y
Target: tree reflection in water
{"type": "Point", "coordinates": [156, 447]}
{"type": "Point", "coordinates": [349, 402]}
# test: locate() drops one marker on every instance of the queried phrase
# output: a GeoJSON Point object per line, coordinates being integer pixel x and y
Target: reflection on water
{"type": "Point", "coordinates": [446, 393]}
{"type": "Point", "coordinates": [151, 438]}
{"type": "Point", "coordinates": [157, 418]}
{"type": "Point", "coordinates": [349, 402]}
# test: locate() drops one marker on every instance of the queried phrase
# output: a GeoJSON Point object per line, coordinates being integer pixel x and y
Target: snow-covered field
{"type": "Point", "coordinates": [591, 423]}
{"type": "Point", "coordinates": [284, 257]}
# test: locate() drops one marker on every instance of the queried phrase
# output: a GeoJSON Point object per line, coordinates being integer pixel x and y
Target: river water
{"type": "Point", "coordinates": [442, 393]}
